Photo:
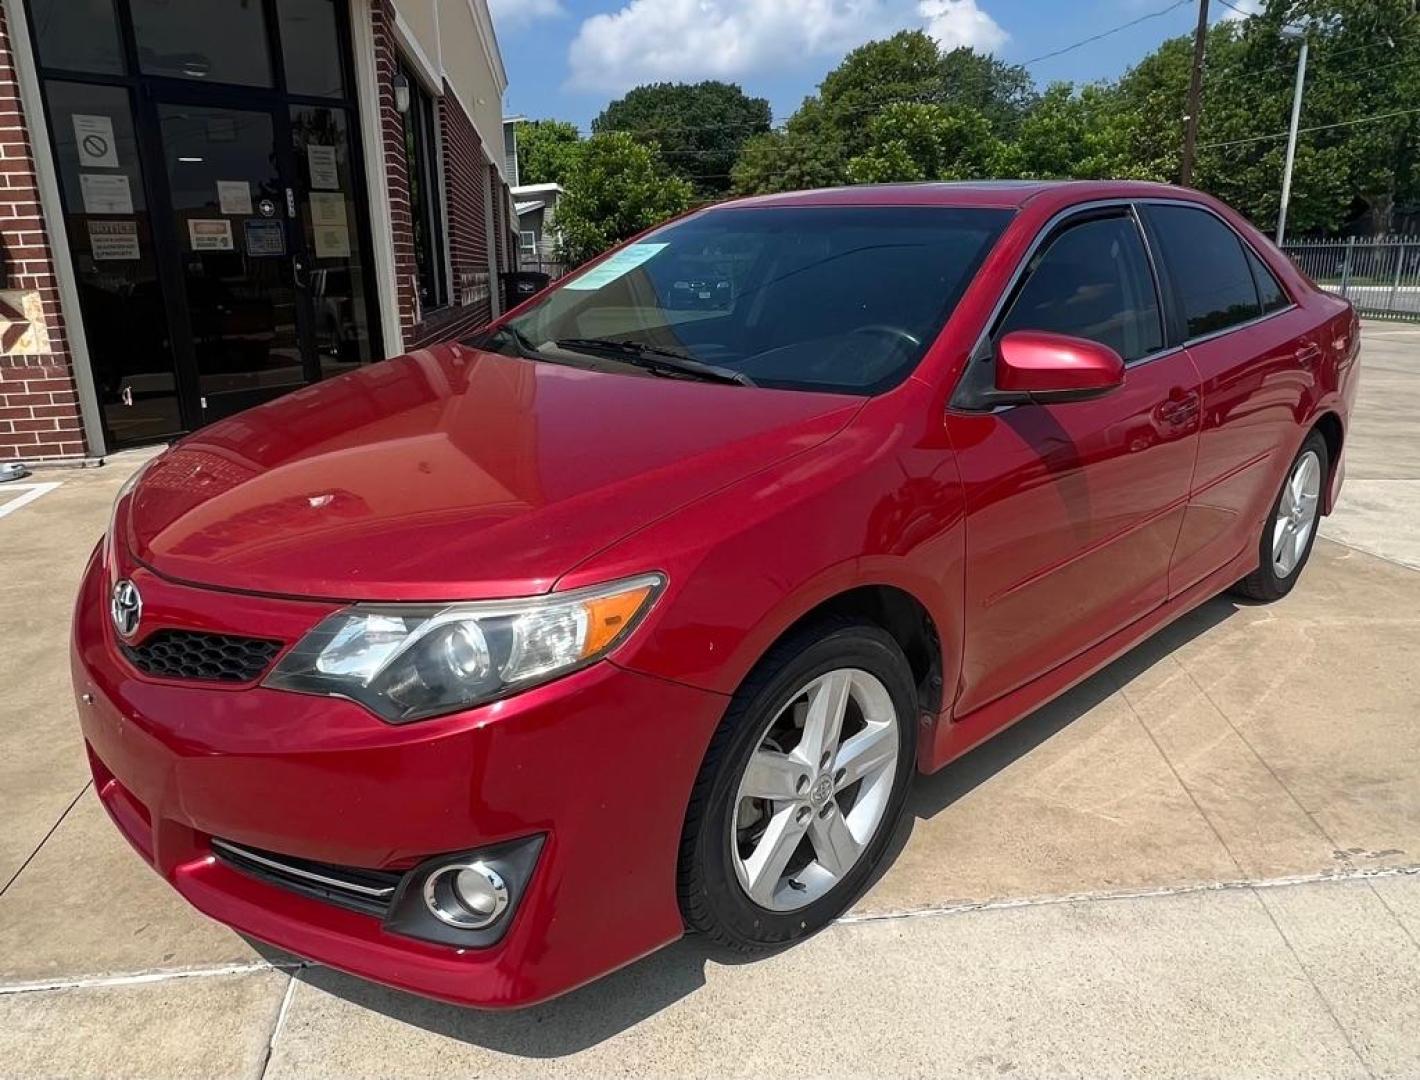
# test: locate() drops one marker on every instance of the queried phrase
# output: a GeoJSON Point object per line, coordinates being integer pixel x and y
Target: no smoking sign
{"type": "Point", "coordinates": [93, 135]}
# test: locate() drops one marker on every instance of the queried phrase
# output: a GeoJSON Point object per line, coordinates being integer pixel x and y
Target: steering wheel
{"type": "Point", "coordinates": [885, 330]}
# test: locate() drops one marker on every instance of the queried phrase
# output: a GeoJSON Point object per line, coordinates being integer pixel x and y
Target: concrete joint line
{"type": "Point", "coordinates": [1134, 894]}
{"type": "Point", "coordinates": [280, 1023]}
{"type": "Point", "coordinates": [143, 977]}
{"type": "Point", "coordinates": [293, 969]}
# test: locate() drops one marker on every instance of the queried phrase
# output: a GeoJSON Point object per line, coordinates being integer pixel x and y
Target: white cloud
{"type": "Point", "coordinates": [513, 14]}
{"type": "Point", "coordinates": [685, 40]}
{"type": "Point", "coordinates": [961, 23]}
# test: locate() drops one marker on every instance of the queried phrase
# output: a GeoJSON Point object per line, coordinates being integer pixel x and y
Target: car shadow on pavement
{"type": "Point", "coordinates": [609, 1006]}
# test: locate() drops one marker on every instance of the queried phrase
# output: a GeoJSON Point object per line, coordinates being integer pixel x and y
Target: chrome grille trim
{"type": "Point", "coordinates": [384, 893]}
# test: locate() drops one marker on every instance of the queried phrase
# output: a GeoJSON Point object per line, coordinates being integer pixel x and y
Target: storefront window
{"type": "Point", "coordinates": [111, 243]}
{"type": "Point", "coordinates": [310, 48]}
{"type": "Point", "coordinates": [220, 41]}
{"type": "Point", "coordinates": [420, 132]}
{"type": "Point", "coordinates": [77, 35]}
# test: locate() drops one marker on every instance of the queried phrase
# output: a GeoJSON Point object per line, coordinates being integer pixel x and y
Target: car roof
{"type": "Point", "coordinates": [998, 193]}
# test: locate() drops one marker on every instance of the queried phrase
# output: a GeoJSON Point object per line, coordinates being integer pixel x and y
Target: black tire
{"type": "Point", "coordinates": [1265, 583]}
{"type": "Point", "coordinates": [711, 897]}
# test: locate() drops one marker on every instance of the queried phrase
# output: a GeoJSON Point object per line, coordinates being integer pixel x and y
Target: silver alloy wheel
{"type": "Point", "coordinates": [804, 814]}
{"type": "Point", "coordinates": [1296, 514]}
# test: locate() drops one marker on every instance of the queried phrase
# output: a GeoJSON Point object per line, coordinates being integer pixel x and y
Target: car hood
{"type": "Point", "coordinates": [451, 473]}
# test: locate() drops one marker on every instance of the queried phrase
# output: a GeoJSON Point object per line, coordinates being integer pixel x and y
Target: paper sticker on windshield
{"type": "Point", "coordinates": [618, 265]}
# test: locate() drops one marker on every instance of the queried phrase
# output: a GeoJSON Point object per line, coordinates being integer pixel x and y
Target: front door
{"type": "Point", "coordinates": [1073, 509]}
{"type": "Point", "coordinates": [215, 207]}
{"type": "Point", "coordinates": [238, 252]}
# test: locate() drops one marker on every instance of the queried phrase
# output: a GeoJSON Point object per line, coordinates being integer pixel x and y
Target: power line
{"type": "Point", "coordinates": [1104, 34]}
{"type": "Point", "coordinates": [1310, 130]}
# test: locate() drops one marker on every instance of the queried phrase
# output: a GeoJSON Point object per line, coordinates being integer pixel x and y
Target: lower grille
{"type": "Point", "coordinates": [191, 654]}
{"type": "Point", "coordinates": [368, 891]}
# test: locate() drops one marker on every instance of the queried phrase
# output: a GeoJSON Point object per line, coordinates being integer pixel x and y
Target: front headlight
{"type": "Point", "coordinates": [411, 661]}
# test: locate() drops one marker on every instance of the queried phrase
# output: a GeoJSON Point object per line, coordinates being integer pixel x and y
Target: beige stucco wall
{"type": "Point", "coordinates": [456, 39]}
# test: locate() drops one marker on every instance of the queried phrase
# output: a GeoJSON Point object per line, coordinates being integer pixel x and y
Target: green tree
{"type": "Point", "coordinates": [1066, 135]}
{"type": "Point", "coordinates": [699, 128]}
{"type": "Point", "coordinates": [785, 161]}
{"type": "Point", "coordinates": [547, 150]}
{"type": "Point", "coordinates": [835, 127]}
{"type": "Point", "coordinates": [911, 141]}
{"type": "Point", "coordinates": [617, 187]}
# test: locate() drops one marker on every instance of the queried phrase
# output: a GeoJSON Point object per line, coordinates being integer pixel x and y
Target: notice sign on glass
{"type": "Point", "coordinates": [324, 171]}
{"type": "Point", "coordinates": [106, 193]}
{"type": "Point", "coordinates": [327, 208]}
{"type": "Point", "coordinates": [264, 237]}
{"type": "Point", "coordinates": [93, 137]}
{"type": "Point", "coordinates": [210, 234]}
{"type": "Point", "coordinates": [113, 240]}
{"type": "Point", "coordinates": [332, 242]}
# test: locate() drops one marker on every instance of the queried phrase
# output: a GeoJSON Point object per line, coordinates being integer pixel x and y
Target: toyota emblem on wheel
{"type": "Point", "coordinates": [125, 608]}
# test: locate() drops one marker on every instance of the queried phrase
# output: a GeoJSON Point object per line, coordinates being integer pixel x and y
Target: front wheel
{"type": "Point", "coordinates": [1287, 539]}
{"type": "Point", "coordinates": [801, 788]}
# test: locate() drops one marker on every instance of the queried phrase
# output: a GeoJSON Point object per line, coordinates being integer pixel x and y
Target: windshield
{"type": "Point", "coordinates": [843, 299]}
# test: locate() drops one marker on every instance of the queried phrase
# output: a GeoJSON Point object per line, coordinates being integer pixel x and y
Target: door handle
{"type": "Point", "coordinates": [1180, 410]}
{"type": "Point", "coordinates": [298, 272]}
{"type": "Point", "coordinates": [1308, 353]}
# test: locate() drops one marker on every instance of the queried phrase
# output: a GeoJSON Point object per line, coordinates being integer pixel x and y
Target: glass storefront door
{"type": "Point", "coordinates": [239, 265]}
{"type": "Point", "coordinates": [209, 164]}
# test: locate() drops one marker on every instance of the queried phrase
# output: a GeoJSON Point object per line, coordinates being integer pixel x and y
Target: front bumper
{"type": "Point", "coordinates": [600, 764]}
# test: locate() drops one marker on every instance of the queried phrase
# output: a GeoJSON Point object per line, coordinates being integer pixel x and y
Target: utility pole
{"type": "Point", "coordinates": [1195, 90]}
{"type": "Point", "coordinates": [1292, 143]}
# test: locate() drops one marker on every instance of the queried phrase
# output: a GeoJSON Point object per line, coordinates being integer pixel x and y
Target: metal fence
{"type": "Point", "coordinates": [549, 267]}
{"type": "Point", "coordinates": [1380, 275]}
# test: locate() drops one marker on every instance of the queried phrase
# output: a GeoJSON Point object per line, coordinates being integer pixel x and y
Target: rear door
{"type": "Point", "coordinates": [1255, 352]}
{"type": "Point", "coordinates": [1073, 509]}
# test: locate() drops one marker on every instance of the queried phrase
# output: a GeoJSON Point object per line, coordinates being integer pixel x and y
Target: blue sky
{"type": "Point", "coordinates": [568, 58]}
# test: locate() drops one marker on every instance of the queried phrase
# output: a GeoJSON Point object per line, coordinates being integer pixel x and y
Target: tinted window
{"type": "Point", "coordinates": [1093, 282]}
{"type": "Point", "coordinates": [1269, 290]}
{"type": "Point", "coordinates": [221, 41]}
{"type": "Point", "coordinates": [1209, 274]}
{"type": "Point", "coordinates": [310, 47]}
{"type": "Point", "coordinates": [78, 35]}
{"type": "Point", "coordinates": [825, 298]}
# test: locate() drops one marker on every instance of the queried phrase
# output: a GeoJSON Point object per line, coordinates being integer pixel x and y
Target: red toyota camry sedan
{"type": "Point", "coordinates": [485, 670]}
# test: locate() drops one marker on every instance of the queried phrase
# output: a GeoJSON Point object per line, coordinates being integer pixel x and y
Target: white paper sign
{"type": "Point", "coordinates": [94, 137]}
{"type": "Point", "coordinates": [114, 240]}
{"type": "Point", "coordinates": [106, 193]}
{"type": "Point", "coordinates": [234, 196]}
{"type": "Point", "coordinates": [615, 266]}
{"type": "Point", "coordinates": [332, 242]}
{"type": "Point", "coordinates": [210, 234]}
{"type": "Point", "coordinates": [327, 208]}
{"type": "Point", "coordinates": [324, 172]}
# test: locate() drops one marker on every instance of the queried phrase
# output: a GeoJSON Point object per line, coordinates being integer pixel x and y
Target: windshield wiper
{"type": "Point", "coordinates": [657, 358]}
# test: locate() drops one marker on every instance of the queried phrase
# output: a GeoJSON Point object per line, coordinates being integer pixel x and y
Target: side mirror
{"type": "Point", "coordinates": [1048, 368]}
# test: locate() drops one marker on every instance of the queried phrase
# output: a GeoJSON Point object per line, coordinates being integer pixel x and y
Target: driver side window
{"type": "Point", "coordinates": [1092, 281]}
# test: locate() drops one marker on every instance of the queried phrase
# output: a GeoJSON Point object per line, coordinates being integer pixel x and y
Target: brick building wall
{"type": "Point", "coordinates": [466, 232]}
{"type": "Point", "coordinates": [39, 404]}
{"type": "Point", "coordinates": [396, 169]}
{"type": "Point", "coordinates": [470, 289]}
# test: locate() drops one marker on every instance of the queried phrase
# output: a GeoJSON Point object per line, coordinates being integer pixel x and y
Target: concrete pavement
{"type": "Point", "coordinates": [1205, 861]}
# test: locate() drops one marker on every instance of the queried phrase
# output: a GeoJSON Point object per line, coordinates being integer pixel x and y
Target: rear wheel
{"type": "Point", "coordinates": [1290, 532]}
{"type": "Point", "coordinates": [801, 788]}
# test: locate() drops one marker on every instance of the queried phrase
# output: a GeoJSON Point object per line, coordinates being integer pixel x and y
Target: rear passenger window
{"type": "Point", "coordinates": [1269, 289]}
{"type": "Point", "coordinates": [1092, 282]}
{"type": "Point", "coordinates": [1207, 267]}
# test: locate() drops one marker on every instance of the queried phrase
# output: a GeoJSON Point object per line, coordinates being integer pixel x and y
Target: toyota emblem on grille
{"type": "Point", "coordinates": [125, 607]}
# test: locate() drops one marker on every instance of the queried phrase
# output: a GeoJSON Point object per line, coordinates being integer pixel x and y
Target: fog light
{"type": "Point", "coordinates": [469, 896]}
